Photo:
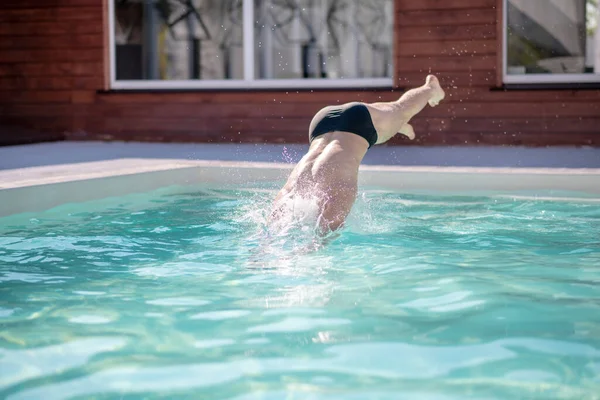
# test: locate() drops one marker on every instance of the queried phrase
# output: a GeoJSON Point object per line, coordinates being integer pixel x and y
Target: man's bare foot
{"type": "Point", "coordinates": [438, 93]}
{"type": "Point", "coordinates": [408, 131]}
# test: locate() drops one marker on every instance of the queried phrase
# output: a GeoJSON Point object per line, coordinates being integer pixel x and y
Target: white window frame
{"type": "Point", "coordinates": [536, 78]}
{"type": "Point", "coordinates": [249, 82]}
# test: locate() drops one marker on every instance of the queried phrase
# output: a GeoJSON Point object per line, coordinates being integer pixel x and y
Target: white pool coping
{"type": "Point", "coordinates": [63, 177]}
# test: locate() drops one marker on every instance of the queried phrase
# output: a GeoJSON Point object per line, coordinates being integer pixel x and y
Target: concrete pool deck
{"type": "Point", "coordinates": [46, 154]}
{"type": "Point", "coordinates": [80, 171]}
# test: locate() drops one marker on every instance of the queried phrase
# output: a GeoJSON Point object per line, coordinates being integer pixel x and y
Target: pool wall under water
{"type": "Point", "coordinates": [41, 188]}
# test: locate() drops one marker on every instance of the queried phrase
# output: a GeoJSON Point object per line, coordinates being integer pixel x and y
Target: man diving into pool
{"type": "Point", "coordinates": [339, 138]}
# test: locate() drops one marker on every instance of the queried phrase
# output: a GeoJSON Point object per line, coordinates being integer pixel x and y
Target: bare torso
{"type": "Point", "coordinates": [327, 175]}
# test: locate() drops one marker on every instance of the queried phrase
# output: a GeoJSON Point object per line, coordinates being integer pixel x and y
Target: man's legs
{"type": "Point", "coordinates": [412, 102]}
{"type": "Point", "coordinates": [393, 117]}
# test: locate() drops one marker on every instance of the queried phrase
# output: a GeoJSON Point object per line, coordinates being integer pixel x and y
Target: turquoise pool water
{"type": "Point", "coordinates": [422, 296]}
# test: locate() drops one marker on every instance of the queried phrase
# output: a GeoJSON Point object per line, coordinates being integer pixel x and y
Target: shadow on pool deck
{"type": "Point", "coordinates": [44, 154]}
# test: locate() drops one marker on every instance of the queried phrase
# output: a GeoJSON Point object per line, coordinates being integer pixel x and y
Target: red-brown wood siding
{"type": "Point", "coordinates": [53, 67]}
{"type": "Point", "coordinates": [460, 41]}
{"type": "Point", "coordinates": [50, 51]}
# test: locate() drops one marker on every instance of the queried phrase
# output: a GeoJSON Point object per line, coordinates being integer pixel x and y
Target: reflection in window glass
{"type": "Point", "coordinates": [552, 37]}
{"type": "Point", "coordinates": [178, 39]}
{"type": "Point", "coordinates": [323, 39]}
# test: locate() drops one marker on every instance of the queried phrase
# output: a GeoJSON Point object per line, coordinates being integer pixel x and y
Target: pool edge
{"type": "Point", "coordinates": [20, 189]}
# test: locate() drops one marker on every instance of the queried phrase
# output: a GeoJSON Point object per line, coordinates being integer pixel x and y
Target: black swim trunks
{"type": "Point", "coordinates": [352, 117]}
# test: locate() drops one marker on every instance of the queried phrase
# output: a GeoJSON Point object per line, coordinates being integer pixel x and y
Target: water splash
{"type": "Point", "coordinates": [282, 243]}
{"type": "Point", "coordinates": [287, 156]}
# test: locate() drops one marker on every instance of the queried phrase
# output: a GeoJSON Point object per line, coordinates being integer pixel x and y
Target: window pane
{"type": "Point", "coordinates": [178, 39]}
{"type": "Point", "coordinates": [553, 37]}
{"type": "Point", "coordinates": [323, 39]}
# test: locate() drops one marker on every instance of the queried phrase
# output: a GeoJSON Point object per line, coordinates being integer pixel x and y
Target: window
{"type": "Point", "coordinates": [181, 44]}
{"type": "Point", "coordinates": [551, 41]}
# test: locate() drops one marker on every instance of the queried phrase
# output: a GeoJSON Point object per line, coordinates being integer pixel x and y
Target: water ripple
{"type": "Point", "coordinates": [421, 296]}
{"type": "Point", "coordinates": [417, 362]}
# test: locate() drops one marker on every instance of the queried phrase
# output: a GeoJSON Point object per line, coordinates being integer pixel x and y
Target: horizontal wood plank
{"type": "Point", "coordinates": [483, 94]}
{"type": "Point", "coordinates": [499, 139]}
{"type": "Point", "coordinates": [65, 41]}
{"type": "Point", "coordinates": [485, 79]}
{"type": "Point", "coordinates": [51, 83]}
{"type": "Point", "coordinates": [52, 14]}
{"type": "Point", "coordinates": [447, 48]}
{"type": "Point", "coordinates": [412, 5]}
{"type": "Point", "coordinates": [40, 4]}
{"type": "Point", "coordinates": [253, 98]}
{"type": "Point", "coordinates": [63, 55]}
{"type": "Point", "coordinates": [441, 33]}
{"type": "Point", "coordinates": [190, 137]}
{"type": "Point", "coordinates": [50, 29]}
{"type": "Point", "coordinates": [562, 124]}
{"type": "Point", "coordinates": [464, 17]}
{"type": "Point", "coordinates": [57, 110]}
{"type": "Point", "coordinates": [42, 124]}
{"type": "Point", "coordinates": [37, 98]}
{"type": "Point", "coordinates": [58, 69]}
{"type": "Point", "coordinates": [200, 125]}
{"type": "Point", "coordinates": [446, 63]}
{"type": "Point", "coordinates": [286, 113]}
{"type": "Point", "coordinates": [17, 135]}
{"type": "Point", "coordinates": [513, 109]}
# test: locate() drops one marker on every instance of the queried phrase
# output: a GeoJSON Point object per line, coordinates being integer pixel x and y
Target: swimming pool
{"type": "Point", "coordinates": [433, 291]}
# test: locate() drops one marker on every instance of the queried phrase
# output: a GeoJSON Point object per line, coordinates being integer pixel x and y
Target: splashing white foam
{"type": "Point", "coordinates": [297, 214]}
{"type": "Point", "coordinates": [363, 218]}
{"type": "Point", "coordinates": [281, 243]}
